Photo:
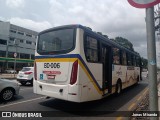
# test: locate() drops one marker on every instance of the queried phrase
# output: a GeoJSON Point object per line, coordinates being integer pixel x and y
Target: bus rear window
{"type": "Point", "coordinates": [56, 41]}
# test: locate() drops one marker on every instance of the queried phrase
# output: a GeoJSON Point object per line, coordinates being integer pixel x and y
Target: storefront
{"type": "Point", "coordinates": [8, 63]}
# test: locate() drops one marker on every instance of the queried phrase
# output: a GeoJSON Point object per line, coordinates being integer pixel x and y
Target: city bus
{"type": "Point", "coordinates": [73, 63]}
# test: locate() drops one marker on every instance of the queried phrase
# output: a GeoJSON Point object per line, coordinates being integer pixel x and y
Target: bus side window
{"type": "Point", "coordinates": [129, 60]}
{"type": "Point", "coordinates": [91, 49]}
{"type": "Point", "coordinates": [137, 62]}
{"type": "Point", "coordinates": [133, 61]}
{"type": "Point", "coordinates": [124, 58]}
{"type": "Point", "coordinates": [116, 56]}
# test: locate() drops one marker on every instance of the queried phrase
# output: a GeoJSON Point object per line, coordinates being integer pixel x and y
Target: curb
{"type": "Point", "coordinates": [8, 76]}
{"type": "Point", "coordinates": [142, 98]}
{"type": "Point", "coordinates": [138, 99]}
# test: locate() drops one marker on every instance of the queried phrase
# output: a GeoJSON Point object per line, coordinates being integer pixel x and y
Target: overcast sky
{"type": "Point", "coordinates": [111, 17]}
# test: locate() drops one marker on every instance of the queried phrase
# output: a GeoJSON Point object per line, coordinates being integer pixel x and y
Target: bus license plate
{"type": "Point", "coordinates": [51, 76]}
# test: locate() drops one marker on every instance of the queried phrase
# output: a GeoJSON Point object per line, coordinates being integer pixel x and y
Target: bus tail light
{"type": "Point", "coordinates": [27, 73]}
{"type": "Point", "coordinates": [74, 73]}
{"type": "Point", "coordinates": [35, 71]}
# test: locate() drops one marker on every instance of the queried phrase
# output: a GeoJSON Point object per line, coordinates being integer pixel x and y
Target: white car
{"type": "Point", "coordinates": [8, 89]}
{"type": "Point", "coordinates": [25, 75]}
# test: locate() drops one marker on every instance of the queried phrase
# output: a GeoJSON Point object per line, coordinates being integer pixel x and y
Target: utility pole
{"type": "Point", "coordinates": [157, 27]}
{"type": "Point", "coordinates": [15, 55]}
{"type": "Point", "coordinates": [7, 53]}
{"type": "Point", "coordinates": [152, 66]}
{"type": "Point", "coordinates": [151, 51]}
{"type": "Point", "coordinates": [158, 33]}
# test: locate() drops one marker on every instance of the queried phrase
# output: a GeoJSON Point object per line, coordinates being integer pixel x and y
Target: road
{"type": "Point", "coordinates": [28, 101]}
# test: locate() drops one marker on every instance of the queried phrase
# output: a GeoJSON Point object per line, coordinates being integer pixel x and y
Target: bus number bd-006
{"type": "Point", "coordinates": [51, 65]}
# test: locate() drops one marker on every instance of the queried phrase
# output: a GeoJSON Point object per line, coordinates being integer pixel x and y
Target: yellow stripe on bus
{"type": "Point", "coordinates": [71, 60]}
{"type": "Point", "coordinates": [56, 60]}
{"type": "Point", "coordinates": [90, 78]}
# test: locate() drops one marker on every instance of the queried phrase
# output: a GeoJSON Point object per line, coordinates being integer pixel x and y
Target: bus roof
{"type": "Point", "coordinates": [89, 30]}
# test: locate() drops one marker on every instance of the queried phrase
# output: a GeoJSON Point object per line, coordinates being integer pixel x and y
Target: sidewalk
{"type": "Point", "coordinates": [8, 76]}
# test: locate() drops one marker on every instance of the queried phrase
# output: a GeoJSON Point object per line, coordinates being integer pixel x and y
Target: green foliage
{"type": "Point", "coordinates": [124, 42]}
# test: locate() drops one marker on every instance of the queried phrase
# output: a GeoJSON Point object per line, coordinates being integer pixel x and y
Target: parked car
{"type": "Point", "coordinates": [10, 71]}
{"type": "Point", "coordinates": [25, 75]}
{"type": "Point", "coordinates": [8, 89]}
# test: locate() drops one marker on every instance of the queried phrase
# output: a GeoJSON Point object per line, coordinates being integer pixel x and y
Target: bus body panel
{"type": "Point", "coordinates": [53, 70]}
{"type": "Point", "coordinates": [74, 93]}
{"type": "Point", "coordinates": [84, 93]}
{"type": "Point", "coordinates": [93, 93]}
{"type": "Point", "coordinates": [51, 90]}
{"type": "Point", "coordinates": [96, 70]}
{"type": "Point", "coordinates": [62, 80]}
{"type": "Point", "coordinates": [89, 89]}
{"type": "Point", "coordinates": [127, 74]}
{"type": "Point", "coordinates": [52, 80]}
{"type": "Point", "coordinates": [91, 78]}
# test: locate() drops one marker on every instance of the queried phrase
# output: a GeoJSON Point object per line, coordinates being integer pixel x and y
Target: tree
{"type": "Point", "coordinates": [124, 42]}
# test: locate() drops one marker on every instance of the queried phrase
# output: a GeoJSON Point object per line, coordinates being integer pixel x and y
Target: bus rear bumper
{"type": "Point", "coordinates": [51, 90]}
{"type": "Point", "coordinates": [56, 91]}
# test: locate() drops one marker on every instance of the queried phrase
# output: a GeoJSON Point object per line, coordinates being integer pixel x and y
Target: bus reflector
{"type": "Point", "coordinates": [74, 73]}
{"type": "Point", "coordinates": [35, 71]}
{"type": "Point", "coordinates": [72, 93]}
{"type": "Point", "coordinates": [27, 73]}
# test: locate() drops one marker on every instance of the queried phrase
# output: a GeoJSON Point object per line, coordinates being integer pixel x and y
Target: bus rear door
{"type": "Point", "coordinates": [107, 69]}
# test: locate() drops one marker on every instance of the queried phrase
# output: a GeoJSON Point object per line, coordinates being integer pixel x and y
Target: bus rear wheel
{"type": "Point", "coordinates": [118, 88]}
{"type": "Point", "coordinates": [137, 80]}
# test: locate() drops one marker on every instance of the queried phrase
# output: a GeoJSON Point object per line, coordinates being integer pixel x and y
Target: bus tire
{"type": "Point", "coordinates": [137, 80]}
{"type": "Point", "coordinates": [118, 87]}
{"type": "Point", "coordinates": [31, 82]}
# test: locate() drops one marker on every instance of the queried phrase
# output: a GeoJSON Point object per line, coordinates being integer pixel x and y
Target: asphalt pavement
{"type": "Point", "coordinates": [28, 101]}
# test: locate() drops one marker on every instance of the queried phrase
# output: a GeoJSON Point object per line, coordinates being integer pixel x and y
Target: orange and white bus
{"type": "Point", "coordinates": [74, 63]}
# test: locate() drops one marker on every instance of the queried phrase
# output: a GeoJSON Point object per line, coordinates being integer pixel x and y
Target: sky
{"type": "Point", "coordinates": [111, 17]}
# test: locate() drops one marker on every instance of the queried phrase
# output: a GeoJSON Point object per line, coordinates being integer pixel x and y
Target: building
{"type": "Point", "coordinates": [17, 46]}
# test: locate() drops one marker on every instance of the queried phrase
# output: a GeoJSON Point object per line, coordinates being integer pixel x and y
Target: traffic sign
{"type": "Point", "coordinates": [143, 3]}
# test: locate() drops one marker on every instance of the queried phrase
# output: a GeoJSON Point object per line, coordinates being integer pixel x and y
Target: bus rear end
{"type": "Point", "coordinates": [56, 67]}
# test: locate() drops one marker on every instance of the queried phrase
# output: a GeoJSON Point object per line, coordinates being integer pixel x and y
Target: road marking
{"type": "Point", "coordinates": [25, 89]}
{"type": "Point", "coordinates": [21, 102]}
{"type": "Point", "coordinates": [119, 118]}
{"type": "Point", "coordinates": [131, 106]}
{"type": "Point", "coordinates": [139, 98]}
{"type": "Point", "coordinates": [145, 92]}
